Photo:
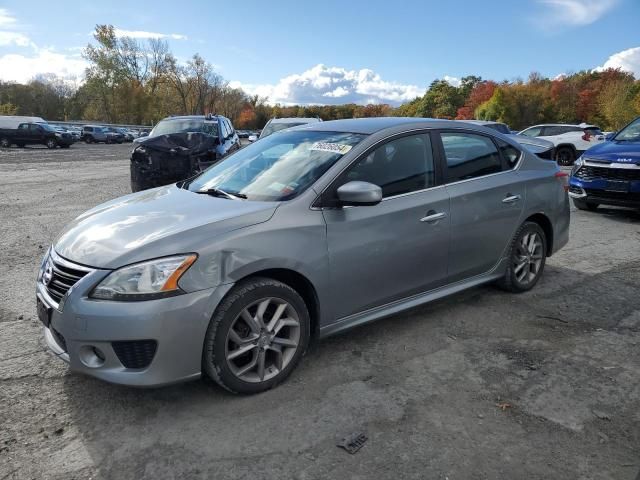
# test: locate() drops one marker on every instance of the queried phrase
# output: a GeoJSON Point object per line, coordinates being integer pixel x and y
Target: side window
{"type": "Point", "coordinates": [34, 128]}
{"type": "Point", "coordinates": [510, 153]}
{"type": "Point", "coordinates": [23, 126]}
{"type": "Point", "coordinates": [555, 130]}
{"type": "Point", "coordinates": [230, 126]}
{"type": "Point", "coordinates": [532, 132]}
{"type": "Point", "coordinates": [223, 125]}
{"type": "Point", "coordinates": [469, 155]}
{"type": "Point", "coordinates": [400, 166]}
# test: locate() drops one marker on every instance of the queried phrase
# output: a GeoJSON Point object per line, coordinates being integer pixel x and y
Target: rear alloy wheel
{"type": "Point", "coordinates": [584, 205]}
{"type": "Point", "coordinates": [565, 156]}
{"type": "Point", "coordinates": [527, 256]}
{"type": "Point", "coordinates": [256, 337]}
{"type": "Point", "coordinates": [5, 143]}
{"type": "Point", "coordinates": [51, 143]}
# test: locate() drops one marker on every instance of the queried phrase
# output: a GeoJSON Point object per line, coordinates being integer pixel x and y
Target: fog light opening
{"type": "Point", "coordinates": [91, 356]}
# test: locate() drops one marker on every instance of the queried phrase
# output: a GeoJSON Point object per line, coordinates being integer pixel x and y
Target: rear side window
{"type": "Point", "coordinates": [510, 153]}
{"type": "Point", "coordinates": [400, 166]}
{"type": "Point", "coordinates": [469, 156]}
{"type": "Point", "coordinates": [499, 127]}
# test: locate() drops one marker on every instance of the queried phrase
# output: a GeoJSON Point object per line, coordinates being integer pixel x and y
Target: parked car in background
{"type": "Point", "coordinates": [609, 173]}
{"type": "Point", "coordinates": [34, 134]}
{"type": "Point", "coordinates": [570, 140]}
{"type": "Point", "coordinates": [542, 148]}
{"type": "Point", "coordinates": [301, 235]}
{"type": "Point", "coordinates": [277, 124]}
{"type": "Point", "coordinates": [179, 147]}
{"type": "Point", "coordinates": [243, 133]}
{"type": "Point", "coordinates": [74, 134]}
{"type": "Point", "coordinates": [118, 136]}
{"type": "Point", "coordinates": [128, 135]}
{"type": "Point", "coordinates": [97, 134]}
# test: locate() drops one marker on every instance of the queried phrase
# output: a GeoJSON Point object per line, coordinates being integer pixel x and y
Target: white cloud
{"type": "Point", "coordinates": [453, 81]}
{"type": "Point", "coordinates": [6, 19]}
{"type": "Point", "coordinates": [627, 60]}
{"type": "Point", "coordinates": [142, 34]}
{"type": "Point", "coordinates": [14, 38]}
{"type": "Point", "coordinates": [333, 85]}
{"type": "Point", "coordinates": [572, 12]}
{"type": "Point", "coordinates": [21, 69]}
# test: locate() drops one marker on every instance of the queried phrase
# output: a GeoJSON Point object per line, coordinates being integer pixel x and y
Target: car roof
{"type": "Point", "coordinates": [295, 120]}
{"type": "Point", "coordinates": [374, 124]}
{"type": "Point", "coordinates": [483, 122]}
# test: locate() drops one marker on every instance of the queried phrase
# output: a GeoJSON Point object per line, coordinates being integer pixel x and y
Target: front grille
{"type": "Point", "coordinates": [135, 353]}
{"type": "Point", "coordinates": [588, 173]}
{"type": "Point", "coordinates": [62, 276]}
{"type": "Point", "coordinates": [607, 195]}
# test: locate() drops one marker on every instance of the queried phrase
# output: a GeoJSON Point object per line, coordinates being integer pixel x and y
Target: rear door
{"type": "Point", "coordinates": [386, 252]}
{"type": "Point", "coordinates": [487, 199]}
{"type": "Point", "coordinates": [36, 134]}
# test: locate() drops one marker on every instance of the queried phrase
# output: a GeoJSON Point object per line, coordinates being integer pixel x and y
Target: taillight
{"type": "Point", "coordinates": [586, 137]}
{"type": "Point", "coordinates": [563, 178]}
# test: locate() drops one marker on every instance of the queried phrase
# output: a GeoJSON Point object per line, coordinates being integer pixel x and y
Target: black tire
{"type": "Point", "coordinates": [243, 295]}
{"type": "Point", "coordinates": [565, 156]}
{"type": "Point", "coordinates": [511, 282]}
{"type": "Point", "coordinates": [584, 205]}
{"type": "Point", "coordinates": [5, 142]}
{"type": "Point", "coordinates": [51, 143]}
{"type": "Point", "coordinates": [88, 139]}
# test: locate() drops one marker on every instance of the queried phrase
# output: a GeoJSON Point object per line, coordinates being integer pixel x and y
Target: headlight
{"type": "Point", "coordinates": [145, 281]}
{"type": "Point", "coordinates": [577, 164]}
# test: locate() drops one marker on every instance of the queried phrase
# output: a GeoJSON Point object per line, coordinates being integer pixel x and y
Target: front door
{"type": "Point", "coordinates": [398, 248]}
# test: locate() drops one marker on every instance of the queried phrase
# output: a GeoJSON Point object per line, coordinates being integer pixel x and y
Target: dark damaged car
{"type": "Point", "coordinates": [180, 147]}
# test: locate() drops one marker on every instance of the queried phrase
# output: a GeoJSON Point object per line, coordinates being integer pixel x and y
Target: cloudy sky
{"type": "Point", "coordinates": [367, 51]}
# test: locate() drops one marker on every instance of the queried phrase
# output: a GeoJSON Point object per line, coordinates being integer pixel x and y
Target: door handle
{"type": "Point", "coordinates": [511, 198]}
{"type": "Point", "coordinates": [433, 217]}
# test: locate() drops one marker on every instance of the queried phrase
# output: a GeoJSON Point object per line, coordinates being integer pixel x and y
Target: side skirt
{"type": "Point", "coordinates": [392, 308]}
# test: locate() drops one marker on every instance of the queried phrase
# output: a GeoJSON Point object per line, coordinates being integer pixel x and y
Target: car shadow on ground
{"type": "Point", "coordinates": [621, 214]}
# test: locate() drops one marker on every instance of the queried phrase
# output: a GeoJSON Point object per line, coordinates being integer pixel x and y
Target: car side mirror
{"type": "Point", "coordinates": [358, 193]}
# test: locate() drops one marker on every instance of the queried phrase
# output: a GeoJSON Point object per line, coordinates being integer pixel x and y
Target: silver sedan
{"type": "Point", "coordinates": [301, 235]}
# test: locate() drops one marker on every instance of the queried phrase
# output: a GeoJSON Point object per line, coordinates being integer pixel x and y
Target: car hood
{"type": "Point", "coordinates": [154, 223]}
{"type": "Point", "coordinates": [613, 151]}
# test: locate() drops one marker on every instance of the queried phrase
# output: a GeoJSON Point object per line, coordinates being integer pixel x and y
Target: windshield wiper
{"type": "Point", "coordinates": [217, 192]}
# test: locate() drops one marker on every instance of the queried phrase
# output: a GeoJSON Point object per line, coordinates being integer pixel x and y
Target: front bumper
{"type": "Point", "coordinates": [82, 327]}
{"type": "Point", "coordinates": [596, 192]}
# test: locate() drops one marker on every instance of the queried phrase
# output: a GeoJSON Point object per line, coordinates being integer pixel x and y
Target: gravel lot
{"type": "Point", "coordinates": [481, 385]}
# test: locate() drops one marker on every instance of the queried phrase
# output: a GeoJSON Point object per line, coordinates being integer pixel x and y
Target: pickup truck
{"type": "Point", "coordinates": [34, 134]}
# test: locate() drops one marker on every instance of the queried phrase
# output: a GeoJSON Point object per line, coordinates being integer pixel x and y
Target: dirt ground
{"type": "Point", "coordinates": [483, 385]}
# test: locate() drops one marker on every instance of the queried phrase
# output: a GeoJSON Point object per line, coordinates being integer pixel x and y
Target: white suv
{"type": "Point", "coordinates": [570, 140]}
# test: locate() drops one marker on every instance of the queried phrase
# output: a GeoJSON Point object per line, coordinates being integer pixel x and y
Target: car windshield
{"type": "Point", "coordinates": [276, 127]}
{"type": "Point", "coordinates": [631, 133]}
{"type": "Point", "coordinates": [276, 168]}
{"type": "Point", "coordinates": [185, 125]}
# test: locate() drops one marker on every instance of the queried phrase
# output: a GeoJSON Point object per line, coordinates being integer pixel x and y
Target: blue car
{"type": "Point", "coordinates": [609, 173]}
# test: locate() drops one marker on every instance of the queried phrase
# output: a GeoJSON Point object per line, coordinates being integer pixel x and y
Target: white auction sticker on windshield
{"type": "Point", "coordinates": [331, 147]}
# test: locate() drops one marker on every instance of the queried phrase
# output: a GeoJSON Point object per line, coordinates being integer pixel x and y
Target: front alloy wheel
{"type": "Point", "coordinates": [256, 337]}
{"type": "Point", "coordinates": [262, 340]}
{"type": "Point", "coordinates": [51, 143]}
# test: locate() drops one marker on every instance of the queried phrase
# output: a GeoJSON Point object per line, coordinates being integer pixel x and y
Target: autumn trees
{"type": "Point", "coordinates": [134, 82]}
